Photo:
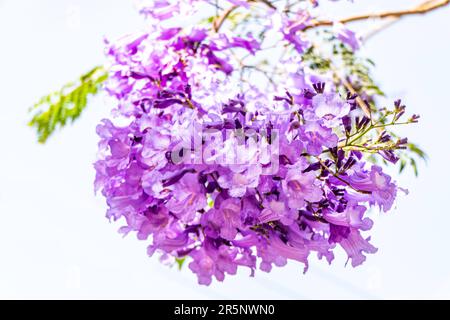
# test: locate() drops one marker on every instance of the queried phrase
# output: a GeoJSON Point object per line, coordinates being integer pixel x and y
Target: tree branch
{"type": "Point", "coordinates": [266, 2]}
{"type": "Point", "coordinates": [217, 24]}
{"type": "Point", "coordinates": [361, 103]}
{"type": "Point", "coordinates": [423, 8]}
{"type": "Point", "coordinates": [392, 20]}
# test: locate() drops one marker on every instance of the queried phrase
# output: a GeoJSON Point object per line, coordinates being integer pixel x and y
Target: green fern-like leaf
{"type": "Point", "coordinates": [56, 109]}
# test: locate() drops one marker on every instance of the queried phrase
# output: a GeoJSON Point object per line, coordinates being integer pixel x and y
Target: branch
{"type": "Point", "coordinates": [217, 24]}
{"type": "Point", "coordinates": [423, 8]}
{"type": "Point", "coordinates": [364, 107]}
{"type": "Point", "coordinates": [266, 2]}
{"type": "Point", "coordinates": [392, 20]}
{"type": "Point", "coordinates": [219, 21]}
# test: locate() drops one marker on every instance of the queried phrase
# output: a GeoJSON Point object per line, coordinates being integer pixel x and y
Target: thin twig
{"type": "Point", "coordinates": [391, 21]}
{"type": "Point", "coordinates": [217, 24]}
{"type": "Point", "coordinates": [425, 7]}
{"type": "Point", "coordinates": [386, 24]}
{"type": "Point", "coordinates": [361, 103]}
{"type": "Point", "coordinates": [266, 2]}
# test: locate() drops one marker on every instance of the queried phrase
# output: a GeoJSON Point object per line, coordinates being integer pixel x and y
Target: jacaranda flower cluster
{"type": "Point", "coordinates": [224, 163]}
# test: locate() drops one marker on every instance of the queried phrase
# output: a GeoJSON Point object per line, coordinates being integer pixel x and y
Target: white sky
{"type": "Point", "coordinates": [55, 241]}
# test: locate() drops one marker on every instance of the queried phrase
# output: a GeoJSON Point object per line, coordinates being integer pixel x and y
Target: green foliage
{"type": "Point", "coordinates": [359, 70]}
{"type": "Point", "coordinates": [57, 108]}
{"type": "Point", "coordinates": [315, 61]}
{"type": "Point", "coordinates": [180, 262]}
{"type": "Point", "coordinates": [410, 156]}
{"type": "Point", "coordinates": [236, 18]}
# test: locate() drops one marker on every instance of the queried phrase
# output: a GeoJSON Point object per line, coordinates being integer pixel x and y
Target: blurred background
{"type": "Point", "coordinates": [55, 241]}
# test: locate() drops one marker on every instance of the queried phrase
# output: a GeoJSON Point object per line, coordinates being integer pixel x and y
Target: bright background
{"type": "Point", "coordinates": [55, 241]}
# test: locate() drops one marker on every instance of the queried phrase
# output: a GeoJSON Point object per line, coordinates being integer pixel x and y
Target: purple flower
{"type": "Point", "coordinates": [317, 137]}
{"type": "Point", "coordinates": [224, 42]}
{"type": "Point", "coordinates": [214, 260]}
{"type": "Point", "coordinates": [153, 150]}
{"type": "Point", "coordinates": [379, 186]}
{"type": "Point", "coordinates": [203, 265]}
{"type": "Point", "coordinates": [384, 191]}
{"type": "Point", "coordinates": [156, 219]}
{"type": "Point", "coordinates": [168, 242]}
{"type": "Point", "coordinates": [237, 183]}
{"type": "Point", "coordinates": [226, 219]}
{"type": "Point", "coordinates": [197, 34]}
{"type": "Point", "coordinates": [331, 108]}
{"type": "Point", "coordinates": [350, 217]}
{"type": "Point", "coordinates": [162, 9]}
{"type": "Point", "coordinates": [278, 211]}
{"type": "Point", "coordinates": [292, 30]}
{"type": "Point", "coordinates": [242, 3]}
{"type": "Point", "coordinates": [347, 36]}
{"type": "Point", "coordinates": [354, 244]}
{"type": "Point", "coordinates": [220, 63]}
{"type": "Point", "coordinates": [277, 252]}
{"type": "Point", "coordinates": [187, 197]}
{"type": "Point", "coordinates": [300, 187]}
